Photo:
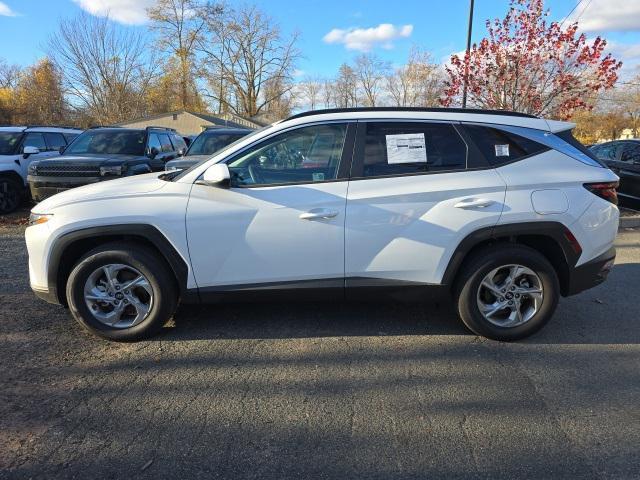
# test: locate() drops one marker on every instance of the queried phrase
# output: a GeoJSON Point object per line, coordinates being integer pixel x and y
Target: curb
{"type": "Point", "coordinates": [629, 222]}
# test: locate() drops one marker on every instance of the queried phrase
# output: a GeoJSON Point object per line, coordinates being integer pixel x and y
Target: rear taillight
{"type": "Point", "coordinates": [606, 190]}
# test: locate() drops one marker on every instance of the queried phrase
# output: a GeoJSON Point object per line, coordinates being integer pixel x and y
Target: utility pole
{"type": "Point", "coordinates": [466, 64]}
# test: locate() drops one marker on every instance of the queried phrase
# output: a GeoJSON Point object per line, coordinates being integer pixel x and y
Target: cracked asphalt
{"type": "Point", "coordinates": [321, 391]}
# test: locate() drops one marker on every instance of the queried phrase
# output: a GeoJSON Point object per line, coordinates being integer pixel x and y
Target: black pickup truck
{"type": "Point", "coordinates": [104, 153]}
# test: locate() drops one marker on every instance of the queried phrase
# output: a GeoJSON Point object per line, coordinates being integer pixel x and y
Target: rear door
{"type": "Point", "coordinates": [417, 189]}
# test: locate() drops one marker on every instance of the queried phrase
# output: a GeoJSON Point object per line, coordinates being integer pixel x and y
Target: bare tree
{"type": "Point", "coordinates": [106, 68]}
{"type": "Point", "coordinates": [250, 52]}
{"type": "Point", "coordinates": [418, 83]}
{"type": "Point", "coordinates": [346, 87]}
{"type": "Point", "coordinates": [310, 90]}
{"type": "Point", "coordinates": [180, 26]}
{"type": "Point", "coordinates": [370, 72]}
{"type": "Point", "coordinates": [8, 74]}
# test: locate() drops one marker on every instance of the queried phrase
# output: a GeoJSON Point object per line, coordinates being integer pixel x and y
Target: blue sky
{"type": "Point", "coordinates": [436, 25]}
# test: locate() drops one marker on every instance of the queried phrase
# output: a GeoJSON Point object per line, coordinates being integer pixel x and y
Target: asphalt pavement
{"type": "Point", "coordinates": [279, 391]}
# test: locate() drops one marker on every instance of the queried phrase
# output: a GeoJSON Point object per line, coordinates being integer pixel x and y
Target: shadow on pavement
{"type": "Point", "coordinates": [606, 314]}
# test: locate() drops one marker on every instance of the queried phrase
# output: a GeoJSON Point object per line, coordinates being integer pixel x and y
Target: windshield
{"type": "Point", "coordinates": [231, 145]}
{"type": "Point", "coordinates": [208, 143]}
{"type": "Point", "coordinates": [111, 142]}
{"type": "Point", "coordinates": [8, 142]}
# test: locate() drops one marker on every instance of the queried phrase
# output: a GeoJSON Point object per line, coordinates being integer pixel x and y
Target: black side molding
{"type": "Point", "coordinates": [554, 230]}
{"type": "Point", "coordinates": [146, 232]}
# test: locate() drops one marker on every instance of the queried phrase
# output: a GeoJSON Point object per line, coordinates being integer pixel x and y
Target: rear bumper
{"type": "Point", "coordinates": [591, 273]}
{"type": "Point", "coordinates": [44, 187]}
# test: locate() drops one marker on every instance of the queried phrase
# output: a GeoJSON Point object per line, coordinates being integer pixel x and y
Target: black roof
{"type": "Point", "coordinates": [413, 109]}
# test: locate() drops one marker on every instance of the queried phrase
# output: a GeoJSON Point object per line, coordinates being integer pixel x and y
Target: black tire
{"type": "Point", "coordinates": [155, 269]}
{"type": "Point", "coordinates": [481, 264]}
{"type": "Point", "coordinates": [11, 194]}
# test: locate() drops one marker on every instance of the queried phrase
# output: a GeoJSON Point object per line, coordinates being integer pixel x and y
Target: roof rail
{"type": "Point", "coordinates": [412, 109]}
{"type": "Point", "coordinates": [160, 128]}
{"type": "Point", "coordinates": [103, 126]}
{"type": "Point", "coordinates": [68, 127]}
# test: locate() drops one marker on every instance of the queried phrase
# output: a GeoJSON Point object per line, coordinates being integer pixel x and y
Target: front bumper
{"type": "Point", "coordinates": [44, 187]}
{"type": "Point", "coordinates": [591, 273]}
{"type": "Point", "coordinates": [48, 295]}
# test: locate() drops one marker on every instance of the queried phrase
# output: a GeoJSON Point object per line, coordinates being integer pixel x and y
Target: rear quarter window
{"type": "Point", "coordinates": [500, 147]}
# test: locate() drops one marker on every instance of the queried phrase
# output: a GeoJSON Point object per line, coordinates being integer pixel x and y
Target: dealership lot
{"type": "Point", "coordinates": [327, 391]}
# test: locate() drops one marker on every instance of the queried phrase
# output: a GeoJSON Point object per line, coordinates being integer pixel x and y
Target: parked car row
{"type": "Point", "coordinates": [44, 161]}
{"type": "Point", "coordinates": [500, 212]}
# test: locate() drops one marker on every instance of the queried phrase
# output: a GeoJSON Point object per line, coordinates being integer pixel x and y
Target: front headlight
{"type": "Point", "coordinates": [111, 170]}
{"type": "Point", "coordinates": [32, 170]}
{"type": "Point", "coordinates": [39, 218]}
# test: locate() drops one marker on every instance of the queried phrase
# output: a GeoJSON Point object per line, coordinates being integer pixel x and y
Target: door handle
{"type": "Point", "coordinates": [318, 213]}
{"type": "Point", "coordinates": [474, 203]}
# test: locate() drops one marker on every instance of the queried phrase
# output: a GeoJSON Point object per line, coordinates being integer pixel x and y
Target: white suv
{"type": "Point", "coordinates": [501, 212]}
{"type": "Point", "coordinates": [19, 146]}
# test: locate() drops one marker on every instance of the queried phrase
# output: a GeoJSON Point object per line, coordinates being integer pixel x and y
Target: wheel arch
{"type": "Point", "coordinates": [70, 246]}
{"type": "Point", "coordinates": [13, 175]}
{"type": "Point", "coordinates": [551, 239]}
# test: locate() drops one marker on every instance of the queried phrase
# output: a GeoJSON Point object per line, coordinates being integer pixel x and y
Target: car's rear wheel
{"type": "Point", "coordinates": [507, 292]}
{"type": "Point", "coordinates": [10, 195]}
{"type": "Point", "coordinates": [121, 292]}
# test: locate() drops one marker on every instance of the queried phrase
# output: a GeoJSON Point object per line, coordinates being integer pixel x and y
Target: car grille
{"type": "Point", "coordinates": [67, 170]}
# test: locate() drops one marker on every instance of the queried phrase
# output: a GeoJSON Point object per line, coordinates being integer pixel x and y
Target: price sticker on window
{"type": "Point", "coordinates": [502, 150]}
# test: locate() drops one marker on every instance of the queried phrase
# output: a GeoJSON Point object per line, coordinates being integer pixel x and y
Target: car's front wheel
{"type": "Point", "coordinates": [121, 292]}
{"type": "Point", "coordinates": [507, 292]}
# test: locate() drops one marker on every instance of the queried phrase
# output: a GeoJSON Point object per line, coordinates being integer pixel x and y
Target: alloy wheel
{"type": "Point", "coordinates": [118, 295]}
{"type": "Point", "coordinates": [510, 295]}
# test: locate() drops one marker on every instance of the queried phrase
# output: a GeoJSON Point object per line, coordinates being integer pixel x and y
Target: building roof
{"type": "Point", "coordinates": [240, 122]}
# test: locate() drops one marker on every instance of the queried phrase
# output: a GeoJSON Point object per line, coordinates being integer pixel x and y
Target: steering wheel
{"type": "Point", "coordinates": [255, 176]}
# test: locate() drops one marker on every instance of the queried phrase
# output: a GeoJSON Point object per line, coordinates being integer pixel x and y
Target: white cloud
{"type": "Point", "coordinates": [608, 15]}
{"type": "Point", "coordinates": [365, 39]}
{"type": "Point", "coordinates": [129, 12]}
{"type": "Point", "coordinates": [6, 11]}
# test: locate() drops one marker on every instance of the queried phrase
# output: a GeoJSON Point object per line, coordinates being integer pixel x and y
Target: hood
{"type": "Point", "coordinates": [120, 187]}
{"type": "Point", "coordinates": [89, 159]}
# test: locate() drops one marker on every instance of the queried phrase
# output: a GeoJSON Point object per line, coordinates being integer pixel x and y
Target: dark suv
{"type": "Point", "coordinates": [105, 153]}
{"type": "Point", "coordinates": [206, 144]}
{"type": "Point", "coordinates": [623, 158]}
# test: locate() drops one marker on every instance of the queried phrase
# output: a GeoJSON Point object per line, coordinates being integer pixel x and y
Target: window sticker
{"type": "Point", "coordinates": [502, 150]}
{"type": "Point", "coordinates": [317, 176]}
{"type": "Point", "coordinates": [406, 148]}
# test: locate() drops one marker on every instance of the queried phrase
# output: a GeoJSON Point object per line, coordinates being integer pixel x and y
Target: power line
{"type": "Point", "coordinates": [569, 14]}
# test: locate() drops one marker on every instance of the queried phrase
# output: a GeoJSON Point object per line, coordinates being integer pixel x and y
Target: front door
{"type": "Point", "coordinates": [280, 224]}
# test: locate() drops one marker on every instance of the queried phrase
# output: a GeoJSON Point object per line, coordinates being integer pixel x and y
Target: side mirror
{"type": "Point", "coordinates": [62, 149]}
{"type": "Point", "coordinates": [181, 152]}
{"type": "Point", "coordinates": [217, 175]}
{"type": "Point", "coordinates": [153, 152]}
{"type": "Point", "coordinates": [29, 150]}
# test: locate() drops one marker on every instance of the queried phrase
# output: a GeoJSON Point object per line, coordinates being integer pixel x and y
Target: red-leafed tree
{"type": "Point", "coordinates": [532, 66]}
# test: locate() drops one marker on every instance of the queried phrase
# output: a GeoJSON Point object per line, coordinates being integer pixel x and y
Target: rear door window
{"type": "Point", "coordinates": [405, 148]}
{"type": "Point", "coordinates": [630, 152]}
{"type": "Point", "coordinates": [500, 147]}
{"type": "Point", "coordinates": [608, 152]}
